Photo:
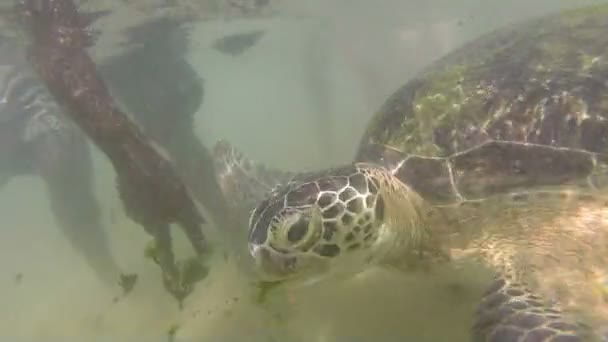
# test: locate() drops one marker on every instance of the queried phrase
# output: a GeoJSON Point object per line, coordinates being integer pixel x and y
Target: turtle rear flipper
{"type": "Point", "coordinates": [236, 44]}
{"type": "Point", "coordinates": [244, 183]}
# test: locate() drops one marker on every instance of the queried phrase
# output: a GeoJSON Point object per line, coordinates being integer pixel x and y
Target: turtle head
{"type": "Point", "coordinates": [318, 225]}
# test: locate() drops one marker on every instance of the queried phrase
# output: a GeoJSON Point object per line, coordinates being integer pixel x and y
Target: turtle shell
{"type": "Point", "coordinates": [531, 98]}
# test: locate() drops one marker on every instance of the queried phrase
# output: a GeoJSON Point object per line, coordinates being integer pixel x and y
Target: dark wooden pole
{"type": "Point", "coordinates": [152, 193]}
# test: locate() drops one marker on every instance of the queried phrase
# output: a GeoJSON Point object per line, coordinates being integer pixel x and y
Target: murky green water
{"type": "Point", "coordinates": [299, 99]}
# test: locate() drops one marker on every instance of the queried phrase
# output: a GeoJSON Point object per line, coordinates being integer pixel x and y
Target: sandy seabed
{"type": "Point", "coordinates": [48, 294]}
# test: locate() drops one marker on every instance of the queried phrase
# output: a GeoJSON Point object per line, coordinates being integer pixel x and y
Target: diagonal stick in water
{"type": "Point", "coordinates": [151, 192]}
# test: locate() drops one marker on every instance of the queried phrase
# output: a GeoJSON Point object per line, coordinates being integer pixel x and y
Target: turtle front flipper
{"type": "Point", "coordinates": [243, 182]}
{"type": "Point", "coordinates": [550, 252]}
{"type": "Point", "coordinates": [511, 312]}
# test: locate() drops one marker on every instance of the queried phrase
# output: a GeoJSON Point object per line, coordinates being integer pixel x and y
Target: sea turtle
{"type": "Point", "coordinates": [495, 154]}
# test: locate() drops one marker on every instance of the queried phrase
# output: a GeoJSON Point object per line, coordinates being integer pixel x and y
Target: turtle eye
{"type": "Point", "coordinates": [298, 230]}
{"type": "Point", "coordinates": [302, 231]}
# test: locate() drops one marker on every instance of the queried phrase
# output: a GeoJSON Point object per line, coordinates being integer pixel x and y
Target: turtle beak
{"type": "Point", "coordinates": [271, 265]}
